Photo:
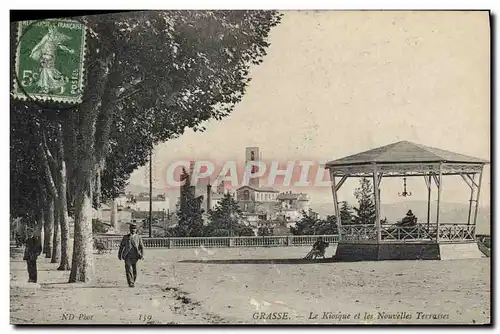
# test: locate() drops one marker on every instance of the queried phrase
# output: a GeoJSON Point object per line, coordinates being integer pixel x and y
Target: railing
{"type": "Point", "coordinates": [406, 233]}
{"type": "Point", "coordinates": [418, 232]}
{"type": "Point", "coordinates": [358, 232]}
{"type": "Point", "coordinates": [351, 233]}
{"type": "Point", "coordinates": [208, 242]}
{"type": "Point", "coordinates": [455, 232]}
{"type": "Point", "coordinates": [113, 242]}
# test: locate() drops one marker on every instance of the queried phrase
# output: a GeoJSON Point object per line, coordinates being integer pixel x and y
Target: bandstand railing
{"type": "Point", "coordinates": [418, 232]}
{"type": "Point", "coordinates": [113, 242]}
{"type": "Point", "coordinates": [457, 232]}
{"type": "Point", "coordinates": [406, 233]}
{"type": "Point", "coordinates": [358, 232]}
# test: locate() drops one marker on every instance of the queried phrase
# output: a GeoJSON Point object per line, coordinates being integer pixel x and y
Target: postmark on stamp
{"type": "Point", "coordinates": [49, 61]}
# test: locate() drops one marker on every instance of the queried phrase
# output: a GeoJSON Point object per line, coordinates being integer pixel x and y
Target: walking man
{"type": "Point", "coordinates": [31, 252]}
{"type": "Point", "coordinates": [131, 250]}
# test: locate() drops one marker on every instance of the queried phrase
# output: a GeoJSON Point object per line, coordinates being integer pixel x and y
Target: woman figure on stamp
{"type": "Point", "coordinates": [45, 53]}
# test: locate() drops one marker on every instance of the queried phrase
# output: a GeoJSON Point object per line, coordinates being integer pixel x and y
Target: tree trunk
{"type": "Point", "coordinates": [114, 214]}
{"type": "Point", "coordinates": [49, 223]}
{"type": "Point", "coordinates": [46, 235]}
{"type": "Point", "coordinates": [83, 168]}
{"type": "Point", "coordinates": [63, 214]}
{"type": "Point", "coordinates": [56, 243]}
{"type": "Point", "coordinates": [82, 267]}
{"type": "Point", "coordinates": [62, 202]}
{"type": "Point", "coordinates": [39, 227]}
{"type": "Point", "coordinates": [97, 193]}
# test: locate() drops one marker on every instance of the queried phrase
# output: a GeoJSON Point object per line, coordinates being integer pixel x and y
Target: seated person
{"type": "Point", "coordinates": [409, 219]}
{"type": "Point", "coordinates": [318, 249]}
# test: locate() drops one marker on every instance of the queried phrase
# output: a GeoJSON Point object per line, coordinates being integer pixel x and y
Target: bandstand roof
{"type": "Point", "coordinates": [404, 158]}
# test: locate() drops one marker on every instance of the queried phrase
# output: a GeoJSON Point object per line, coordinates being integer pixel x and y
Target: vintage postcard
{"type": "Point", "coordinates": [251, 167]}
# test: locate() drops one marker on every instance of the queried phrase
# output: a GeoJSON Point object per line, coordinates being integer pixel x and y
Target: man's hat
{"type": "Point", "coordinates": [409, 212]}
{"type": "Point", "coordinates": [132, 225]}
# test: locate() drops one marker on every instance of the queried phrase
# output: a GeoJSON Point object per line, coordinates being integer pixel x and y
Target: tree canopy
{"type": "Point", "coordinates": [149, 76]}
{"type": "Point", "coordinates": [365, 212]}
{"type": "Point", "coordinates": [226, 219]}
{"type": "Point", "coordinates": [311, 224]}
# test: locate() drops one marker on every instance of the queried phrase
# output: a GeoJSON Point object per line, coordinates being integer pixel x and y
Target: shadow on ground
{"type": "Point", "coordinates": [81, 286]}
{"type": "Point", "coordinates": [261, 261]}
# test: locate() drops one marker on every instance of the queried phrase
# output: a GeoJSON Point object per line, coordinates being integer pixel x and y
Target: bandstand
{"type": "Point", "coordinates": [423, 240]}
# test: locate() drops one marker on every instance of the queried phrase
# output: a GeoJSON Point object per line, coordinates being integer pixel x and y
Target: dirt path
{"type": "Point", "coordinates": [106, 301]}
{"type": "Point", "coordinates": [196, 286]}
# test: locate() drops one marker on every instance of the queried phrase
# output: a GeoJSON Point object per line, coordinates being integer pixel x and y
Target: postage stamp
{"type": "Point", "coordinates": [50, 61]}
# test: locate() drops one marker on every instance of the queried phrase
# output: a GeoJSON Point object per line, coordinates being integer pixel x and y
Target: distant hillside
{"type": "Point", "coordinates": [450, 212]}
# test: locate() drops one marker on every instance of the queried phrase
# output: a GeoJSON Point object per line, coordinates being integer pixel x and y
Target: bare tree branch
{"type": "Point", "coordinates": [42, 146]}
{"type": "Point", "coordinates": [47, 150]}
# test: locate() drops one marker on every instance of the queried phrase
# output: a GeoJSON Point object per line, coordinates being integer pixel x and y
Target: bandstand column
{"type": "Point", "coordinates": [477, 200]}
{"type": "Point", "coordinates": [336, 203]}
{"type": "Point", "coordinates": [440, 185]}
{"type": "Point", "coordinates": [377, 202]}
{"type": "Point", "coordinates": [380, 176]}
{"type": "Point", "coordinates": [472, 187]}
{"type": "Point", "coordinates": [428, 181]}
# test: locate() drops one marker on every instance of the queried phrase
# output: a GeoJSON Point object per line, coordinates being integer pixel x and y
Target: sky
{"type": "Point", "coordinates": [338, 83]}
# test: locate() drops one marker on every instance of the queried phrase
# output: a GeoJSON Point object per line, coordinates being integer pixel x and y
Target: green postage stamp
{"type": "Point", "coordinates": [50, 61]}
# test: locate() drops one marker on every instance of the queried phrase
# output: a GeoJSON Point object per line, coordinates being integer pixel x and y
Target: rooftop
{"type": "Point", "coordinates": [293, 196]}
{"type": "Point", "coordinates": [405, 152]}
{"type": "Point", "coordinates": [261, 189]}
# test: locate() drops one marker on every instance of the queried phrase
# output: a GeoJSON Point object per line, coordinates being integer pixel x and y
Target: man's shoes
{"type": "Point", "coordinates": [131, 285]}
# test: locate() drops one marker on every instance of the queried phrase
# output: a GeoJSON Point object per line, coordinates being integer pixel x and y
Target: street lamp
{"type": "Point", "coordinates": [150, 192]}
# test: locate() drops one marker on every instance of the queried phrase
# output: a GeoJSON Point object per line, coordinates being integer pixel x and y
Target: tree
{"type": "Point", "coordinates": [311, 224]}
{"type": "Point", "coordinates": [51, 152]}
{"type": "Point", "coordinates": [225, 219]}
{"type": "Point", "coordinates": [365, 213]}
{"type": "Point", "coordinates": [151, 75]}
{"type": "Point", "coordinates": [328, 226]}
{"type": "Point", "coordinates": [56, 239]}
{"type": "Point", "coordinates": [346, 214]}
{"type": "Point", "coordinates": [25, 171]}
{"type": "Point", "coordinates": [197, 74]}
{"type": "Point", "coordinates": [204, 71]}
{"type": "Point", "coordinates": [244, 231]}
{"type": "Point", "coordinates": [189, 210]}
{"type": "Point", "coordinates": [306, 225]}
{"type": "Point", "coordinates": [263, 231]}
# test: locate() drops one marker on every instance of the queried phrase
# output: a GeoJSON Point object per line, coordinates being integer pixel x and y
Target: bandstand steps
{"type": "Point", "coordinates": [453, 251]}
{"type": "Point", "coordinates": [482, 247]}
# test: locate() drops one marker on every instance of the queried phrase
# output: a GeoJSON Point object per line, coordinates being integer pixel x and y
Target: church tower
{"type": "Point", "coordinates": [252, 154]}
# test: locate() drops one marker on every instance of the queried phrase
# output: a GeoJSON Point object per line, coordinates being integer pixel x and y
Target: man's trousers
{"type": "Point", "coordinates": [131, 270]}
{"type": "Point", "coordinates": [32, 271]}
